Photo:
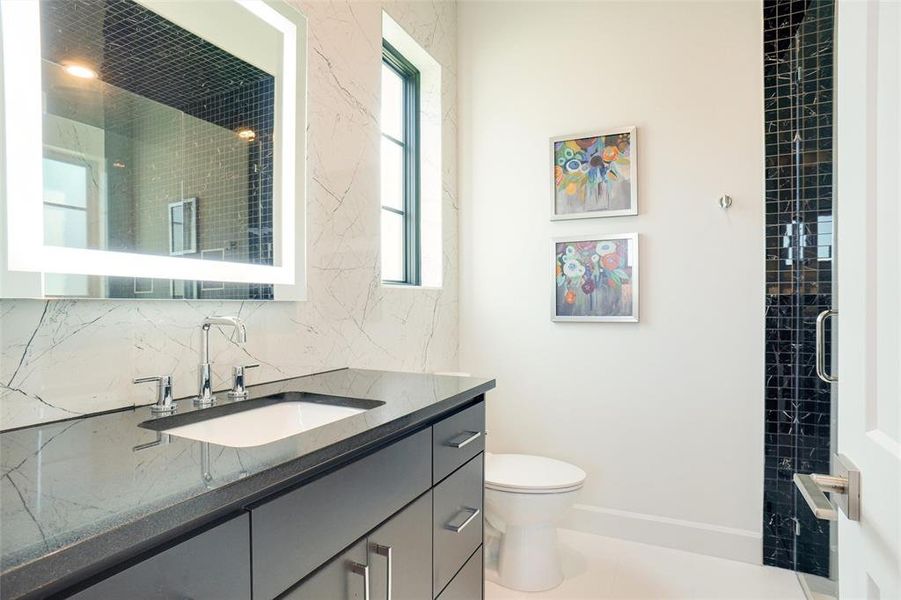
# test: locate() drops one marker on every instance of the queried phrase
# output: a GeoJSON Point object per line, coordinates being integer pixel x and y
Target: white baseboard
{"type": "Point", "coordinates": [703, 538]}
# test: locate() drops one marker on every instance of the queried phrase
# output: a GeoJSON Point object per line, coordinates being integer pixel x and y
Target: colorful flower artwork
{"type": "Point", "coordinates": [595, 175]}
{"type": "Point", "coordinates": [596, 279]}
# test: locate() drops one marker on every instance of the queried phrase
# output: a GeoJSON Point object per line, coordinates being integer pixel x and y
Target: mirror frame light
{"type": "Point", "coordinates": [22, 151]}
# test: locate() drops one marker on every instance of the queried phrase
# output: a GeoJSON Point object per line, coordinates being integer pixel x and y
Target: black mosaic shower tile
{"type": "Point", "coordinates": [798, 139]}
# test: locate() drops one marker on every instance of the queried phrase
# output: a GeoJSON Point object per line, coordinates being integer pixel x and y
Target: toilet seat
{"type": "Point", "coordinates": [527, 474]}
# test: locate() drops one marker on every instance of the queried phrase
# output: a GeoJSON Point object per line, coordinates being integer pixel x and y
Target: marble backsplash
{"type": "Point", "coordinates": [64, 358]}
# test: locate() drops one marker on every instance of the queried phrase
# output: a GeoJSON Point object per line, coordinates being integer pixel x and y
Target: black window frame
{"type": "Point", "coordinates": [409, 74]}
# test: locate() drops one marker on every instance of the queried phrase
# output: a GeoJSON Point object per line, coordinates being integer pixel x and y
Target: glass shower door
{"type": "Point", "coordinates": [798, 104]}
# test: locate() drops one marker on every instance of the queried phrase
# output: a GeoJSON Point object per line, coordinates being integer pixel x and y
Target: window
{"type": "Point", "coordinates": [400, 169]}
{"type": "Point", "coordinates": [68, 201]}
{"type": "Point", "coordinates": [65, 203]}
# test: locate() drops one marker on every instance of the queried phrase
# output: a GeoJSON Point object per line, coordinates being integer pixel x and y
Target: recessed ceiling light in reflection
{"type": "Point", "coordinates": [80, 71]}
{"type": "Point", "coordinates": [248, 135]}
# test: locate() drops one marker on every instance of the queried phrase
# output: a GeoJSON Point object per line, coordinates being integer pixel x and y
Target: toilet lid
{"type": "Point", "coordinates": [524, 473]}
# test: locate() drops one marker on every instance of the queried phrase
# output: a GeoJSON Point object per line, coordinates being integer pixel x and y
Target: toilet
{"type": "Point", "coordinates": [525, 497]}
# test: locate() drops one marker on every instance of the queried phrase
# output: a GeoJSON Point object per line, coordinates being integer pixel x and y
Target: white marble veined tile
{"type": "Point", "coordinates": [66, 358]}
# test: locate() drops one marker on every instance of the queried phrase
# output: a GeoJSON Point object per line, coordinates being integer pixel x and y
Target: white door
{"type": "Point", "coordinates": [868, 77]}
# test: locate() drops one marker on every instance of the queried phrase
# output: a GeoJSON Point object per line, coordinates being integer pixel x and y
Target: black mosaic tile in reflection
{"type": "Point", "coordinates": [138, 50]}
{"type": "Point", "coordinates": [798, 138]}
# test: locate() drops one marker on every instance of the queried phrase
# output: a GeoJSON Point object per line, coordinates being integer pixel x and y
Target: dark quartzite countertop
{"type": "Point", "coordinates": [76, 494]}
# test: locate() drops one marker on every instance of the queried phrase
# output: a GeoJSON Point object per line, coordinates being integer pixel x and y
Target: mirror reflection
{"type": "Point", "coordinates": [156, 142]}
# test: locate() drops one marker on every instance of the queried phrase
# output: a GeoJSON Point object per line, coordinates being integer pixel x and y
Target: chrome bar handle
{"type": "Point", "coordinates": [162, 439]}
{"type": "Point", "coordinates": [821, 345]}
{"type": "Point", "coordinates": [470, 437]}
{"type": "Point", "coordinates": [387, 553]}
{"type": "Point", "coordinates": [164, 403]}
{"type": "Point", "coordinates": [474, 512]}
{"type": "Point", "coordinates": [363, 570]}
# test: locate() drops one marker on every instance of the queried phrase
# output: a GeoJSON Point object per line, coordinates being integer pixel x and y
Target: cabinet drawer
{"type": "Point", "coordinates": [457, 527]}
{"type": "Point", "coordinates": [457, 439]}
{"type": "Point", "coordinates": [213, 565]}
{"type": "Point", "coordinates": [467, 585]}
{"type": "Point", "coordinates": [295, 533]}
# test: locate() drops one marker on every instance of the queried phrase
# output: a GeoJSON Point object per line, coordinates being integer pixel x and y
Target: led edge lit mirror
{"type": "Point", "coordinates": [269, 36]}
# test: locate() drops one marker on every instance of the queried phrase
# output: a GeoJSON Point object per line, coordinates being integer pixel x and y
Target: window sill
{"type": "Point", "coordinates": [407, 286]}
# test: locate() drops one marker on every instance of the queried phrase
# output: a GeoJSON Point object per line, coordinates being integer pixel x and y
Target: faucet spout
{"type": "Point", "coordinates": [205, 394]}
{"type": "Point", "coordinates": [235, 322]}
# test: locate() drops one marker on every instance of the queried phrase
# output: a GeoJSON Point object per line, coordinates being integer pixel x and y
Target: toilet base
{"type": "Point", "coordinates": [529, 559]}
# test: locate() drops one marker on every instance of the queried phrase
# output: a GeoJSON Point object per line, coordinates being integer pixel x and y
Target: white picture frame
{"type": "Point", "coordinates": [624, 165]}
{"type": "Point", "coordinates": [588, 307]}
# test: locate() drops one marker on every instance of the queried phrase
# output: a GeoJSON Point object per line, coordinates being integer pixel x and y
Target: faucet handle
{"type": "Point", "coordinates": [162, 439]}
{"type": "Point", "coordinates": [164, 403]}
{"type": "Point", "coordinates": [239, 391]}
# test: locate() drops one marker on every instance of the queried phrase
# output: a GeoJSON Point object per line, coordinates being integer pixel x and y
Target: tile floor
{"type": "Point", "coordinates": [607, 568]}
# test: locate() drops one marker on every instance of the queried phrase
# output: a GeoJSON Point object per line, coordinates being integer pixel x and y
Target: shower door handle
{"type": "Point", "coordinates": [821, 345]}
{"type": "Point", "coordinates": [844, 487]}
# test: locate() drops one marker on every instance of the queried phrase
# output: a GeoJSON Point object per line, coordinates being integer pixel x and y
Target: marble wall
{"type": "Point", "coordinates": [60, 359]}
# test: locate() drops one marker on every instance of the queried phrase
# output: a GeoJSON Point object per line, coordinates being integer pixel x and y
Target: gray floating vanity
{"type": "Point", "coordinates": [386, 504]}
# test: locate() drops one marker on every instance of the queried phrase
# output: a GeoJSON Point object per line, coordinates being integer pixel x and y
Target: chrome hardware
{"type": "Point", "coordinates": [817, 501]}
{"type": "Point", "coordinates": [457, 528]}
{"type": "Point", "coordinates": [468, 438]}
{"type": "Point", "coordinates": [205, 395]}
{"type": "Point", "coordinates": [725, 201]}
{"type": "Point", "coordinates": [162, 439]}
{"type": "Point", "coordinates": [821, 345]}
{"type": "Point", "coordinates": [206, 464]}
{"type": "Point", "coordinates": [386, 552]}
{"type": "Point", "coordinates": [164, 403]}
{"type": "Point", "coordinates": [363, 570]}
{"type": "Point", "coordinates": [844, 487]}
{"type": "Point", "coordinates": [239, 390]}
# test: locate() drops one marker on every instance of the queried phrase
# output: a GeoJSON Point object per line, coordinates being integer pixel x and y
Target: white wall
{"type": "Point", "coordinates": [666, 415]}
{"type": "Point", "coordinates": [60, 359]}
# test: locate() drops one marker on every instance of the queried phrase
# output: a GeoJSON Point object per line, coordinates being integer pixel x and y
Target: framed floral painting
{"type": "Point", "coordinates": [594, 174]}
{"type": "Point", "coordinates": [595, 278]}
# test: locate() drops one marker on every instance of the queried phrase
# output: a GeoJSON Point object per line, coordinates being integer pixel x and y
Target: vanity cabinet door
{"type": "Point", "coordinates": [212, 565]}
{"type": "Point", "coordinates": [343, 578]}
{"type": "Point", "coordinates": [402, 550]}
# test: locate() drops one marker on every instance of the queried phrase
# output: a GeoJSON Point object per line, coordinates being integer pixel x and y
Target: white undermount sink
{"type": "Point", "coordinates": [270, 423]}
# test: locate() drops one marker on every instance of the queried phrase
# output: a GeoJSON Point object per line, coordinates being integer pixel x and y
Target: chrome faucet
{"type": "Point", "coordinates": [205, 395]}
